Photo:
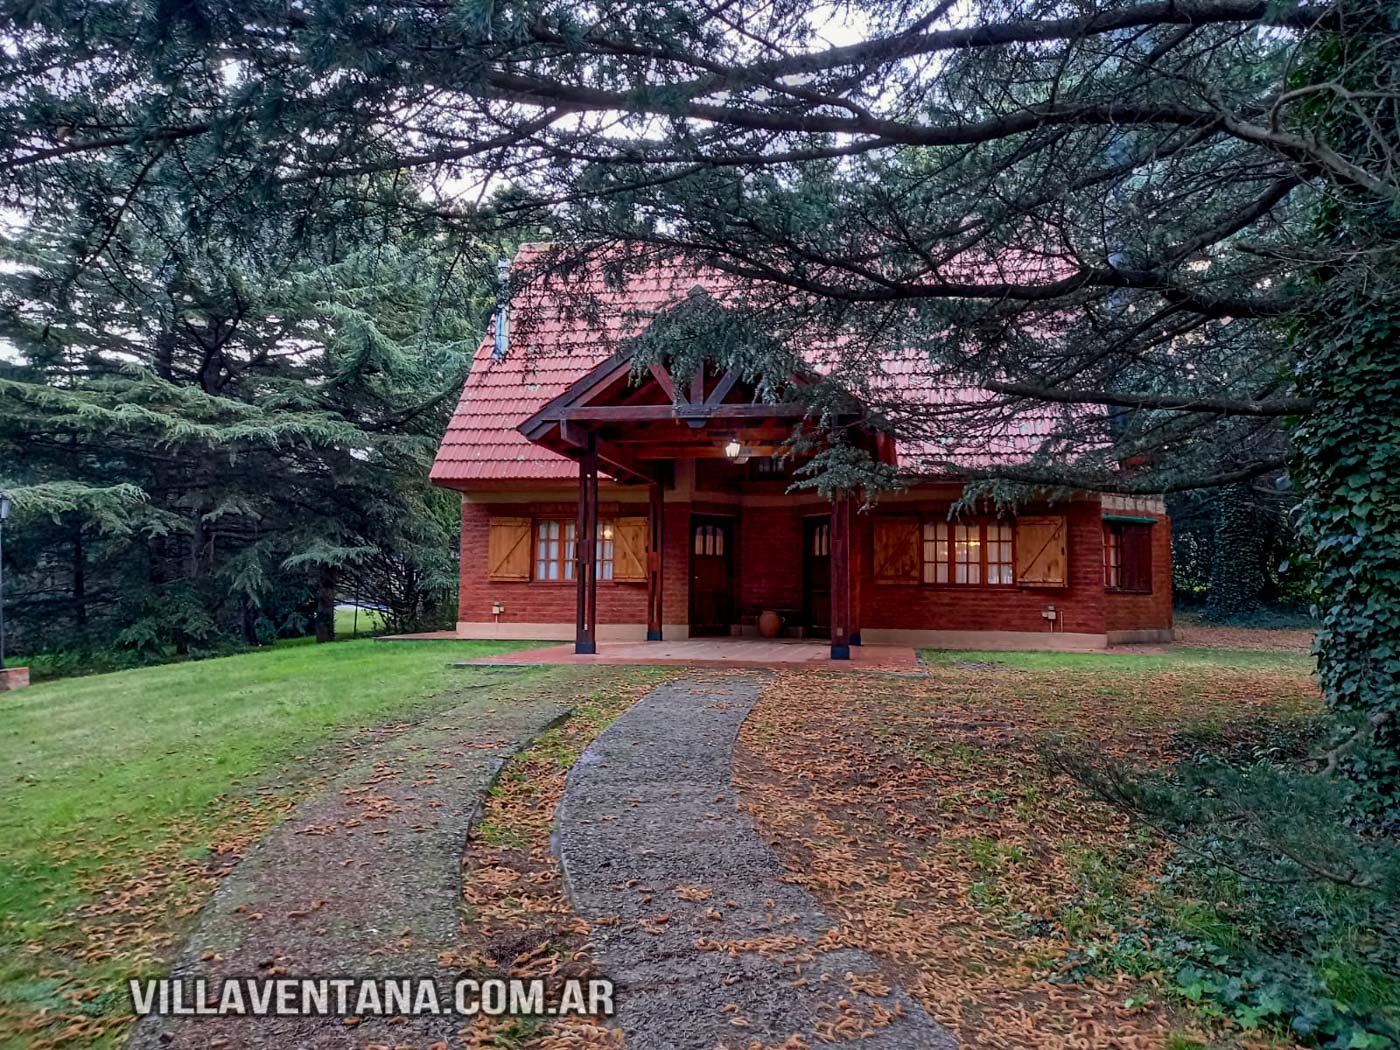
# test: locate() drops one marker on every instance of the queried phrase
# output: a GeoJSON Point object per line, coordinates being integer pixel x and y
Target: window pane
{"type": "Point", "coordinates": [999, 568]}
{"type": "Point", "coordinates": [546, 550]}
{"type": "Point", "coordinates": [935, 552]}
{"type": "Point", "coordinates": [1113, 556]}
{"type": "Point", "coordinates": [605, 550]}
{"type": "Point", "coordinates": [967, 554]}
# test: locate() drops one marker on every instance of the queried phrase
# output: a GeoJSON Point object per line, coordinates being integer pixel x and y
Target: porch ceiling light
{"type": "Point", "coordinates": [733, 449]}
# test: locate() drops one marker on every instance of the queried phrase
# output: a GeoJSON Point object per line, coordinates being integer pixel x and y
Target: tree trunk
{"type": "Point", "coordinates": [249, 621]}
{"type": "Point", "coordinates": [1237, 577]}
{"type": "Point", "coordinates": [325, 604]}
{"type": "Point", "coordinates": [80, 617]}
{"type": "Point", "coordinates": [1347, 468]}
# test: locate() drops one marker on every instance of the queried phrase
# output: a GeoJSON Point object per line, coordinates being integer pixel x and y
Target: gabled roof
{"type": "Point", "coordinates": [559, 329]}
{"type": "Point", "coordinates": [563, 325]}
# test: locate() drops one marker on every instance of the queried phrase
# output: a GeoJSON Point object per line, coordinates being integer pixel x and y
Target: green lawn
{"type": "Point", "coordinates": [117, 784]}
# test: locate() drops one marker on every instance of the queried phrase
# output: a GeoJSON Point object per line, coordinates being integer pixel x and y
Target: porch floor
{"type": "Point", "coordinates": [724, 652]}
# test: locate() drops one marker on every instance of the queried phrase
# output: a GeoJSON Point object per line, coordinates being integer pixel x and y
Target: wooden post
{"type": "Point", "coordinates": [841, 576]}
{"type": "Point", "coordinates": [858, 548]}
{"type": "Point", "coordinates": [656, 538]}
{"type": "Point", "coordinates": [586, 549]}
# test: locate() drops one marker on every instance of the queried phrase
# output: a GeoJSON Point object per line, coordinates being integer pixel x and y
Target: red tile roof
{"type": "Point", "coordinates": [561, 325]}
{"type": "Point", "coordinates": [564, 323]}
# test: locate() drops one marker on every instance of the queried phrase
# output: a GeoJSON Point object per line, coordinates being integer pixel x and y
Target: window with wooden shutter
{"type": "Point", "coordinates": [508, 549]}
{"type": "Point", "coordinates": [1042, 556]}
{"type": "Point", "coordinates": [1128, 556]}
{"type": "Point", "coordinates": [630, 550]}
{"type": "Point", "coordinates": [898, 550]}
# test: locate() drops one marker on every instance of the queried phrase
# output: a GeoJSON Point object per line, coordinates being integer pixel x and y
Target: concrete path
{"type": "Point", "coordinates": [363, 880]}
{"type": "Point", "coordinates": [772, 654]}
{"type": "Point", "coordinates": [707, 944]}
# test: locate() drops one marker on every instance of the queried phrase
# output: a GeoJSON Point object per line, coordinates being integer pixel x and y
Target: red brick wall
{"type": "Point", "coordinates": [770, 558]}
{"type": "Point", "coordinates": [769, 567]}
{"type": "Point", "coordinates": [1137, 612]}
{"type": "Point", "coordinates": [953, 608]}
{"type": "Point", "coordinates": [533, 602]}
{"type": "Point", "coordinates": [675, 566]}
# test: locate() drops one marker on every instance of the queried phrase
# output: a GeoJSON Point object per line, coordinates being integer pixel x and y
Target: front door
{"type": "Point", "coordinates": [711, 552]}
{"type": "Point", "coordinates": [816, 575]}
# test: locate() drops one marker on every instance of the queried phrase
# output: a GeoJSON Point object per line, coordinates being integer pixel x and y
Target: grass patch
{"type": "Point", "coordinates": [1020, 910]}
{"type": "Point", "coordinates": [517, 920]}
{"type": "Point", "coordinates": [125, 792]}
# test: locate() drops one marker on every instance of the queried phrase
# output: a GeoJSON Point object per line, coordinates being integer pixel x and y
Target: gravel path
{"type": "Point", "coordinates": [709, 947]}
{"type": "Point", "coordinates": [364, 879]}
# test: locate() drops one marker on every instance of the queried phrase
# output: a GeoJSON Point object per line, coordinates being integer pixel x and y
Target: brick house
{"type": "Point", "coordinates": [677, 483]}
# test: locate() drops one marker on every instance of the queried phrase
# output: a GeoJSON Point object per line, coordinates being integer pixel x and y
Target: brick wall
{"type": "Point", "coordinates": [1138, 612]}
{"type": "Point", "coordinates": [532, 602]}
{"type": "Point", "coordinates": [769, 567]}
{"type": "Point", "coordinates": [1002, 608]}
{"type": "Point", "coordinates": [770, 559]}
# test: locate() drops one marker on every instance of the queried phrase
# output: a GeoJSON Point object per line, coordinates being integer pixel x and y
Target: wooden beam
{"type": "Point", "coordinates": [659, 452]}
{"type": "Point", "coordinates": [841, 576]}
{"type": "Point", "coordinates": [588, 385]}
{"type": "Point", "coordinates": [663, 380]}
{"type": "Point", "coordinates": [722, 388]}
{"type": "Point", "coordinates": [585, 551]}
{"type": "Point", "coordinates": [648, 413]}
{"type": "Point", "coordinates": [656, 545]}
{"type": "Point", "coordinates": [620, 463]}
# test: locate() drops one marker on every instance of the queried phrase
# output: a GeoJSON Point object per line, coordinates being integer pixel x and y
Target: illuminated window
{"type": "Point", "coordinates": [969, 554]}
{"type": "Point", "coordinates": [936, 552]}
{"type": "Point", "coordinates": [554, 549]}
{"type": "Point", "coordinates": [709, 541]}
{"type": "Point", "coordinates": [821, 541]}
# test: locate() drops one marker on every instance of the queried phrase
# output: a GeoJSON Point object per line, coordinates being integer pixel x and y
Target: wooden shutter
{"type": "Point", "coordinates": [1042, 559]}
{"type": "Point", "coordinates": [630, 549]}
{"type": "Point", "coordinates": [508, 549]}
{"type": "Point", "coordinates": [898, 550]}
{"type": "Point", "coordinates": [1137, 558]}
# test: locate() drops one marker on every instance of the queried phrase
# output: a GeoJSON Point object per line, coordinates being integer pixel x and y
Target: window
{"type": "Point", "coordinates": [605, 550]}
{"type": "Point", "coordinates": [554, 549]}
{"type": "Point", "coordinates": [936, 552]}
{"type": "Point", "coordinates": [1113, 556]}
{"type": "Point", "coordinates": [709, 541]}
{"type": "Point", "coordinates": [821, 540]}
{"type": "Point", "coordinates": [968, 554]}
{"type": "Point", "coordinates": [1127, 556]}
{"type": "Point", "coordinates": [1000, 569]}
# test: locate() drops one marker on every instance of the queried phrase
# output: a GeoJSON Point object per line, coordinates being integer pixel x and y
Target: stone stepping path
{"type": "Point", "coordinates": [364, 879]}
{"type": "Point", "coordinates": [707, 945]}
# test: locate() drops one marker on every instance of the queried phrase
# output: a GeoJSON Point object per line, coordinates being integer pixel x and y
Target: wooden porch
{"type": "Point", "coordinates": [637, 433]}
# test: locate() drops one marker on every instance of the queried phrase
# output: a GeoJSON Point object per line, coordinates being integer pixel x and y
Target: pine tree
{"type": "Point", "coordinates": [209, 439]}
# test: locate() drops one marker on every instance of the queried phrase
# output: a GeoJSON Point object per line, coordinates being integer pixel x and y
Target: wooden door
{"type": "Point", "coordinates": [816, 575]}
{"type": "Point", "coordinates": [711, 555]}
